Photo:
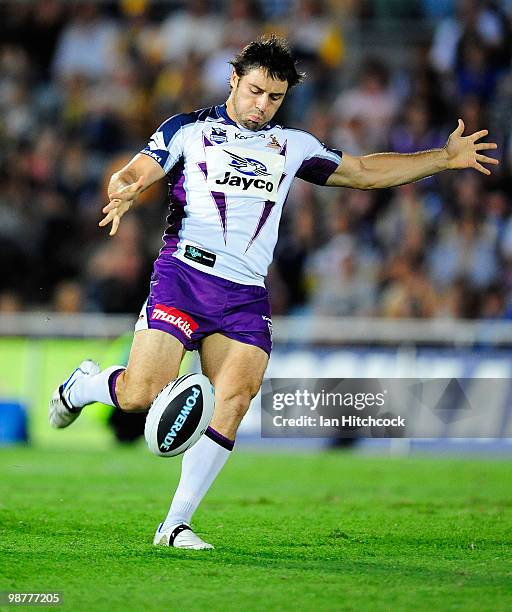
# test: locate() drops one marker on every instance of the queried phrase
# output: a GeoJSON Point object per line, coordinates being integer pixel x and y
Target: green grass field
{"type": "Point", "coordinates": [293, 532]}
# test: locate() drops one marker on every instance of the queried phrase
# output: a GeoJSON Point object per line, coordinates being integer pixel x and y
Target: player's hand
{"type": "Point", "coordinates": [120, 202]}
{"type": "Point", "coordinates": [465, 151]}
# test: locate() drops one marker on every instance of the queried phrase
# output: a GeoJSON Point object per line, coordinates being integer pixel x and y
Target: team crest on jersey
{"type": "Point", "coordinates": [218, 135]}
{"type": "Point", "coordinates": [274, 143]}
{"type": "Point", "coordinates": [247, 165]}
{"type": "Point", "coordinates": [244, 171]}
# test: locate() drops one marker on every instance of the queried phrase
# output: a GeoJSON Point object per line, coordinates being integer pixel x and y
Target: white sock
{"type": "Point", "coordinates": [96, 388]}
{"type": "Point", "coordinates": [199, 468]}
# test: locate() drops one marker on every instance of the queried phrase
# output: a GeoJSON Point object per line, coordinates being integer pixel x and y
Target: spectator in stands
{"type": "Point", "coordinates": [10, 302]}
{"type": "Point", "coordinates": [373, 102]}
{"type": "Point", "coordinates": [88, 44]}
{"type": "Point", "coordinates": [292, 253]}
{"type": "Point", "coordinates": [475, 74]}
{"type": "Point", "coordinates": [407, 292]}
{"type": "Point", "coordinates": [464, 249]}
{"type": "Point", "coordinates": [196, 29]}
{"type": "Point", "coordinates": [71, 74]}
{"type": "Point", "coordinates": [342, 272]}
{"type": "Point", "coordinates": [403, 226]}
{"type": "Point", "coordinates": [472, 16]}
{"type": "Point", "coordinates": [68, 298]}
{"type": "Point", "coordinates": [244, 27]}
{"type": "Point", "coordinates": [118, 271]}
{"type": "Point", "coordinates": [416, 131]}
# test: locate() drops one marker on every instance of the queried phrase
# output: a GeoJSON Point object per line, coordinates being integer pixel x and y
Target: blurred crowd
{"type": "Point", "coordinates": [84, 84]}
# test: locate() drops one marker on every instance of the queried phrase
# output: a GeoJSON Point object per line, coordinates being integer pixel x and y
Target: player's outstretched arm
{"type": "Point", "coordinates": [125, 187]}
{"type": "Point", "coordinates": [392, 169]}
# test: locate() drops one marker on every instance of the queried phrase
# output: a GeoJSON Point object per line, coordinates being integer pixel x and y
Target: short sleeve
{"type": "Point", "coordinates": [166, 144]}
{"type": "Point", "coordinates": [319, 161]}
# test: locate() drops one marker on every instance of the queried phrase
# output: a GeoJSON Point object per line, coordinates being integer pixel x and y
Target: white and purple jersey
{"type": "Point", "coordinates": [227, 188]}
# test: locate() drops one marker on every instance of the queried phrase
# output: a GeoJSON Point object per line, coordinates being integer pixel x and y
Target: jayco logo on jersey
{"type": "Point", "coordinates": [244, 171]}
{"type": "Point", "coordinates": [245, 183]}
{"type": "Point", "coordinates": [250, 167]}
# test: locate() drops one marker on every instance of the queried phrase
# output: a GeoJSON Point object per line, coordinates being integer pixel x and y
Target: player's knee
{"type": "Point", "coordinates": [236, 401]}
{"type": "Point", "coordinates": [134, 404]}
{"type": "Point", "coordinates": [137, 401]}
{"type": "Point", "coordinates": [136, 393]}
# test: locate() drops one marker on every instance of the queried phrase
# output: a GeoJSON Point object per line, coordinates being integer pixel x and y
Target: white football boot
{"type": "Point", "coordinates": [60, 411]}
{"type": "Point", "coordinates": [180, 536]}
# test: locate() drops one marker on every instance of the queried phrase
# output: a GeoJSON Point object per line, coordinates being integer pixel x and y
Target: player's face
{"type": "Point", "coordinates": [255, 98]}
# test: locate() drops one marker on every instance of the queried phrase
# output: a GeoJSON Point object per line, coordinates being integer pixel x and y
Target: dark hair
{"type": "Point", "coordinates": [273, 55]}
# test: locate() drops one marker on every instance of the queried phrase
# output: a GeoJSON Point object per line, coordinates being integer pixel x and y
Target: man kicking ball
{"type": "Point", "coordinates": [229, 170]}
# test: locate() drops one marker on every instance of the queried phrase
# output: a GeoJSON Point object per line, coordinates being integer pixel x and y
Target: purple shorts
{"type": "Point", "coordinates": [190, 305]}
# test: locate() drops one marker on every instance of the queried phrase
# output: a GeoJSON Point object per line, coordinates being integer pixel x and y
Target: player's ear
{"type": "Point", "coordinates": [233, 79]}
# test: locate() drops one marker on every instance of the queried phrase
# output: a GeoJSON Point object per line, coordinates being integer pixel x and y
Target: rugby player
{"type": "Point", "coordinates": [229, 170]}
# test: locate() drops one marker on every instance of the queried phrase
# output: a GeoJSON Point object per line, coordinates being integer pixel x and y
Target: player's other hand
{"type": "Point", "coordinates": [120, 202]}
{"type": "Point", "coordinates": [464, 151]}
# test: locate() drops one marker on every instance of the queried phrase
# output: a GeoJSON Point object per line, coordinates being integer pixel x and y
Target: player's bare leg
{"type": "Point", "coordinates": [155, 359]}
{"type": "Point", "coordinates": [236, 371]}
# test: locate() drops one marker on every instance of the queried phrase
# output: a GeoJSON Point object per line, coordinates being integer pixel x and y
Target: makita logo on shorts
{"type": "Point", "coordinates": [175, 317]}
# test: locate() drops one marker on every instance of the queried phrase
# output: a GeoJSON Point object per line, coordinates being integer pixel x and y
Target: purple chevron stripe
{"type": "Point", "coordinates": [220, 202]}
{"type": "Point", "coordinates": [203, 168]}
{"type": "Point", "coordinates": [267, 209]}
{"type": "Point", "coordinates": [219, 199]}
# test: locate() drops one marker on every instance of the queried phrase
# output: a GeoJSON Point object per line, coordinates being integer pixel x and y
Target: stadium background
{"type": "Point", "coordinates": [84, 84]}
{"type": "Point", "coordinates": [413, 281]}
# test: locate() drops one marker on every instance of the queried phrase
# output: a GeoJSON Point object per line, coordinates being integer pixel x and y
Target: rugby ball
{"type": "Point", "coordinates": [179, 415]}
